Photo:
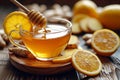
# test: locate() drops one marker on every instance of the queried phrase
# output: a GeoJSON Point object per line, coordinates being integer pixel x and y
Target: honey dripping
{"type": "Point", "coordinates": [44, 32]}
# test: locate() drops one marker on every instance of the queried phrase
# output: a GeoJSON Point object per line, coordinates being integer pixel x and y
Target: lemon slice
{"type": "Point", "coordinates": [14, 20]}
{"type": "Point", "coordinates": [105, 42]}
{"type": "Point", "coordinates": [86, 62]}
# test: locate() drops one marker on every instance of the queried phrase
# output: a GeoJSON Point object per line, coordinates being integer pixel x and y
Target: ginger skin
{"type": "Point", "coordinates": [2, 42]}
{"type": "Point", "coordinates": [5, 38]}
{"type": "Point", "coordinates": [19, 52]}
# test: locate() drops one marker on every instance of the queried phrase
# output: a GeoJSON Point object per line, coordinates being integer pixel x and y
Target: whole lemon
{"type": "Point", "coordinates": [87, 7]}
{"type": "Point", "coordinates": [110, 17]}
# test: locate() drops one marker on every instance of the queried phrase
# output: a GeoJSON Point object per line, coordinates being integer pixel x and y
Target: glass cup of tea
{"type": "Point", "coordinates": [46, 43]}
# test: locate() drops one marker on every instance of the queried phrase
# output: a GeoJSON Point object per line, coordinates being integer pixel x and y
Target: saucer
{"type": "Point", "coordinates": [35, 66]}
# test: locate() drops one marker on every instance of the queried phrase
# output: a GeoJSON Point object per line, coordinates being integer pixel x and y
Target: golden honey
{"type": "Point", "coordinates": [47, 44]}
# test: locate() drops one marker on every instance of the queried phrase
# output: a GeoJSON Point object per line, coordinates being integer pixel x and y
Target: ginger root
{"type": "Point", "coordinates": [2, 42]}
{"type": "Point", "coordinates": [21, 52]}
{"type": "Point", "coordinates": [5, 38]}
{"type": "Point", "coordinates": [87, 38]}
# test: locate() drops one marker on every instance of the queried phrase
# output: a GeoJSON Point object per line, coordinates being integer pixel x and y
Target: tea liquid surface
{"type": "Point", "coordinates": [47, 44]}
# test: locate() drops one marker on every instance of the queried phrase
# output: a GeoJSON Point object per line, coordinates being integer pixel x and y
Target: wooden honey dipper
{"type": "Point", "coordinates": [34, 16]}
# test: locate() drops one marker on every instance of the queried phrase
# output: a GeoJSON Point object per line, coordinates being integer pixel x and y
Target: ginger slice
{"type": "Point", "coordinates": [75, 21]}
{"type": "Point", "coordinates": [87, 36]}
{"type": "Point", "coordinates": [84, 25]}
{"type": "Point", "coordinates": [66, 56]}
{"type": "Point", "coordinates": [76, 29]}
{"type": "Point", "coordinates": [73, 42]}
{"type": "Point", "coordinates": [2, 42]}
{"type": "Point", "coordinates": [94, 24]}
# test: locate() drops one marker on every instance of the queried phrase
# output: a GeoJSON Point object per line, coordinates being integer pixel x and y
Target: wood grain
{"type": "Point", "coordinates": [35, 66]}
{"type": "Point", "coordinates": [9, 72]}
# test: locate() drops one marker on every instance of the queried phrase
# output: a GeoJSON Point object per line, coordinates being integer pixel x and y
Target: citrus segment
{"type": "Point", "coordinates": [86, 62]}
{"type": "Point", "coordinates": [105, 42]}
{"type": "Point", "coordinates": [14, 20]}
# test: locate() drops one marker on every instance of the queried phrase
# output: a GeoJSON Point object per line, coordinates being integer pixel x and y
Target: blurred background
{"type": "Point", "coordinates": [6, 6]}
{"type": "Point", "coordinates": [62, 2]}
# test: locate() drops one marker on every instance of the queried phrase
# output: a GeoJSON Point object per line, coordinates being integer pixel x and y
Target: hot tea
{"type": "Point", "coordinates": [47, 44]}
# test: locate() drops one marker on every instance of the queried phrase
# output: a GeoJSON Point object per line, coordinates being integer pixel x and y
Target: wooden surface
{"type": "Point", "coordinates": [35, 66]}
{"type": "Point", "coordinates": [9, 72]}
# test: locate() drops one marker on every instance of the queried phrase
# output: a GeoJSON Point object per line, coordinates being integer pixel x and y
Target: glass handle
{"type": "Point", "coordinates": [13, 41]}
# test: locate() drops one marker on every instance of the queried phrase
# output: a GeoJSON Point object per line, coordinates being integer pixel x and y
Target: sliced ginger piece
{"type": "Point", "coordinates": [76, 29]}
{"type": "Point", "coordinates": [84, 25]}
{"type": "Point", "coordinates": [62, 59]}
{"type": "Point", "coordinates": [94, 24]}
{"type": "Point", "coordinates": [78, 18]}
{"type": "Point", "coordinates": [68, 52]}
{"type": "Point", "coordinates": [73, 42]}
{"type": "Point", "coordinates": [75, 21]}
{"type": "Point", "coordinates": [66, 56]}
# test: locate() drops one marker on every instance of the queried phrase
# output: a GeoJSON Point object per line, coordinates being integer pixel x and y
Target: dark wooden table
{"type": "Point", "coordinates": [9, 72]}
